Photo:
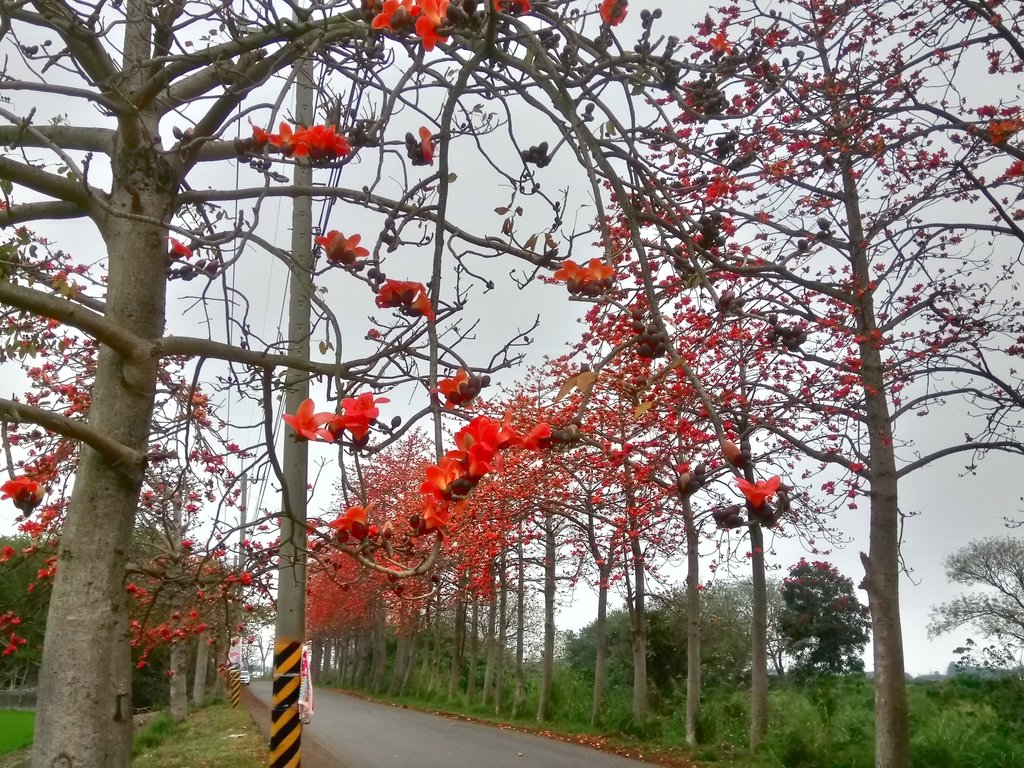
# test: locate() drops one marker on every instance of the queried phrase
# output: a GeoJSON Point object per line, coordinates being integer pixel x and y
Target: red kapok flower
{"type": "Point", "coordinates": [322, 142]}
{"type": "Point", "coordinates": [436, 514]}
{"type": "Point", "coordinates": [342, 250]}
{"type": "Point", "coordinates": [758, 493]}
{"type": "Point", "coordinates": [284, 140]}
{"type": "Point", "coordinates": [179, 250]}
{"type": "Point", "coordinates": [395, 15]}
{"type": "Point", "coordinates": [352, 522]}
{"type": "Point", "coordinates": [591, 280]}
{"type": "Point", "coordinates": [538, 439]}
{"type": "Point", "coordinates": [421, 151]}
{"type": "Point", "coordinates": [442, 476]}
{"type": "Point", "coordinates": [25, 492]}
{"type": "Point", "coordinates": [357, 414]}
{"type": "Point", "coordinates": [460, 389]}
{"type": "Point", "coordinates": [307, 424]}
{"type": "Point", "coordinates": [432, 16]}
{"type": "Point", "coordinates": [260, 137]}
{"type": "Point", "coordinates": [411, 298]}
{"type": "Point", "coordinates": [720, 44]}
{"type": "Point", "coordinates": [613, 12]}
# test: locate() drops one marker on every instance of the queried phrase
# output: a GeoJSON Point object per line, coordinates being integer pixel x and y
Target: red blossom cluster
{"type": "Point", "coordinates": [409, 297]}
{"type": "Point", "coordinates": [8, 623]}
{"type": "Point", "coordinates": [420, 151]}
{"type": "Point", "coordinates": [461, 388]}
{"type": "Point", "coordinates": [426, 16]}
{"type": "Point", "coordinates": [613, 12]}
{"type": "Point", "coordinates": [591, 280]}
{"type": "Point", "coordinates": [356, 417]}
{"type": "Point", "coordinates": [321, 142]}
{"type": "Point", "coordinates": [25, 492]}
{"type": "Point", "coordinates": [353, 524]}
{"type": "Point", "coordinates": [179, 250]}
{"type": "Point", "coordinates": [341, 250]}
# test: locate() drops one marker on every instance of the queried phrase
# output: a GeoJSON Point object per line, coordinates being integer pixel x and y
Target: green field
{"type": "Point", "coordinates": [15, 730]}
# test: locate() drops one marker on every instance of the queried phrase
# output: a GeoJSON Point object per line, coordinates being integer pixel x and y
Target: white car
{"type": "Point", "coordinates": [243, 676]}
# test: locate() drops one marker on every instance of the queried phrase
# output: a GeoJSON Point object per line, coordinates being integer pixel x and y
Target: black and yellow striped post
{"type": "Point", "coordinates": [285, 725]}
{"type": "Point", "coordinates": [235, 686]}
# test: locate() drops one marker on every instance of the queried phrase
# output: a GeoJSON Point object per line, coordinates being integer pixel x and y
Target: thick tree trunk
{"type": "Point", "coordinates": [882, 563]}
{"type": "Point", "coordinates": [758, 641]}
{"type": "Point", "coordinates": [380, 653]}
{"type": "Point", "coordinates": [345, 660]}
{"type": "Point", "coordinates": [882, 578]}
{"type": "Point", "coordinates": [365, 658]}
{"type": "Point", "coordinates": [398, 668]}
{"type": "Point", "coordinates": [326, 658]}
{"type": "Point", "coordinates": [499, 662]}
{"type": "Point", "coordinates": [547, 667]}
{"type": "Point", "coordinates": [434, 659]}
{"type": "Point", "coordinates": [84, 714]}
{"type": "Point", "coordinates": [410, 664]}
{"type": "Point", "coordinates": [638, 632]}
{"type": "Point", "coordinates": [178, 669]}
{"type": "Point", "coordinates": [474, 650]}
{"type": "Point", "coordinates": [520, 695]}
{"type": "Point", "coordinates": [692, 626]}
{"type": "Point", "coordinates": [601, 641]}
{"type": "Point", "coordinates": [220, 650]}
{"type": "Point", "coordinates": [492, 644]}
{"type": "Point", "coordinates": [458, 641]}
{"type": "Point", "coordinates": [202, 670]}
{"type": "Point", "coordinates": [357, 655]}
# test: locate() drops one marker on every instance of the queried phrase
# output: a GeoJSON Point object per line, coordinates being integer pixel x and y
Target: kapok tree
{"type": "Point", "coordinates": [815, 201]}
{"type": "Point", "coordinates": [152, 99]}
{"type": "Point", "coordinates": [692, 374]}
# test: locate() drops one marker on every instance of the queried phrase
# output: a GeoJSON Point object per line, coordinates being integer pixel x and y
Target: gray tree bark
{"type": "Point", "coordinates": [179, 681]}
{"type": "Point", "coordinates": [492, 645]}
{"type": "Point", "coordinates": [882, 563]}
{"type": "Point", "coordinates": [520, 694]}
{"type": "Point", "coordinates": [499, 662]}
{"type": "Point", "coordinates": [758, 641]}
{"type": "Point", "coordinates": [474, 650]}
{"type": "Point", "coordinates": [638, 631]}
{"type": "Point", "coordinates": [202, 670]}
{"type": "Point", "coordinates": [547, 669]}
{"type": "Point", "coordinates": [458, 641]}
{"type": "Point", "coordinates": [410, 664]}
{"type": "Point", "coordinates": [601, 640]}
{"type": "Point", "coordinates": [692, 625]}
{"type": "Point", "coordinates": [84, 713]}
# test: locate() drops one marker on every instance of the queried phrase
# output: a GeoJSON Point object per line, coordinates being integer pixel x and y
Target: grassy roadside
{"type": "Point", "coordinates": [15, 730]}
{"type": "Point", "coordinates": [213, 737]}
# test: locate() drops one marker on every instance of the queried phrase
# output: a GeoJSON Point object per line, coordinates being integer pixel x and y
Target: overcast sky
{"type": "Point", "coordinates": [953, 509]}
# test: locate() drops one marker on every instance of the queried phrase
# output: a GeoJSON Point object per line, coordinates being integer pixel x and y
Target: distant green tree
{"type": "Point", "coordinates": [725, 639]}
{"type": "Point", "coordinates": [997, 565]}
{"type": "Point", "coordinates": [824, 624]}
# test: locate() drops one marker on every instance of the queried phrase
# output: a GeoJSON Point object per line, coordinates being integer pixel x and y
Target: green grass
{"type": "Point", "coordinates": [15, 730]}
{"type": "Point", "coordinates": [213, 737]}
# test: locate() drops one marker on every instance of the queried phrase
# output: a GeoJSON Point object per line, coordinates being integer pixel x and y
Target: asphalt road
{"type": "Point", "coordinates": [363, 734]}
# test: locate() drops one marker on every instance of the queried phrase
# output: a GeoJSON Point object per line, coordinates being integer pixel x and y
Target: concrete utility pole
{"type": "Point", "coordinates": [286, 727]}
